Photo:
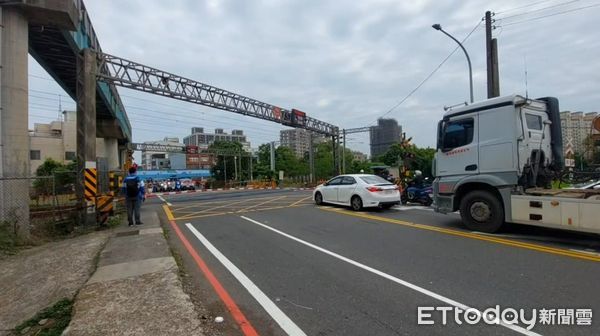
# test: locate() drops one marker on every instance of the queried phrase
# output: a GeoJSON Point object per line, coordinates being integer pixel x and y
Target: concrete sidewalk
{"type": "Point", "coordinates": [136, 289]}
{"type": "Point", "coordinates": [37, 278]}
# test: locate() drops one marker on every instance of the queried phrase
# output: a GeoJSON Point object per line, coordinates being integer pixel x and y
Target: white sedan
{"type": "Point", "coordinates": [358, 191]}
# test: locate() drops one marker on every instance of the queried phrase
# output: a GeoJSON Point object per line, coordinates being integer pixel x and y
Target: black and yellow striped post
{"type": "Point", "coordinates": [112, 181]}
{"type": "Point", "coordinates": [104, 206]}
{"type": "Point", "coordinates": [90, 177]}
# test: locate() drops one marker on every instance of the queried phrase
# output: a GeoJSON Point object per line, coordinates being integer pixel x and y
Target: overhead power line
{"type": "Point", "coordinates": [167, 127]}
{"type": "Point", "coordinates": [539, 10]}
{"type": "Point", "coordinates": [549, 15]}
{"type": "Point", "coordinates": [431, 73]}
{"type": "Point", "coordinates": [149, 118]}
{"type": "Point", "coordinates": [524, 6]}
{"type": "Point", "coordinates": [193, 117]}
{"type": "Point", "coordinates": [245, 121]}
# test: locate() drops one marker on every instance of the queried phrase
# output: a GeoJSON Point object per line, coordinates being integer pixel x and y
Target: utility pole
{"type": "Point", "coordinates": [251, 175]}
{"type": "Point", "coordinates": [311, 157]}
{"type": "Point", "coordinates": [235, 167]}
{"type": "Point", "coordinates": [491, 46]}
{"type": "Point", "coordinates": [241, 167]}
{"type": "Point", "coordinates": [339, 159]}
{"type": "Point", "coordinates": [334, 147]}
{"type": "Point", "coordinates": [273, 156]}
{"type": "Point", "coordinates": [496, 68]}
{"type": "Point", "coordinates": [225, 167]}
{"type": "Point", "coordinates": [344, 152]}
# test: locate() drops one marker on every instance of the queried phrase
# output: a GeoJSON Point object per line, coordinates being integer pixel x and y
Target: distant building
{"type": "Point", "coordinates": [298, 140]}
{"type": "Point", "coordinates": [156, 160]}
{"type": "Point", "coordinates": [576, 127]}
{"type": "Point", "coordinates": [203, 140]}
{"type": "Point", "coordinates": [58, 141]}
{"type": "Point", "coordinates": [386, 133]}
{"type": "Point", "coordinates": [197, 160]}
{"type": "Point", "coordinates": [359, 156]}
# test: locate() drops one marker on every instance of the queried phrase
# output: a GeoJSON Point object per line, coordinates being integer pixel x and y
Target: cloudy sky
{"type": "Point", "coordinates": [344, 62]}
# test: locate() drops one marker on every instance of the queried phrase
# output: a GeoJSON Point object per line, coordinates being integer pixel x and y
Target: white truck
{"type": "Point", "coordinates": [495, 161]}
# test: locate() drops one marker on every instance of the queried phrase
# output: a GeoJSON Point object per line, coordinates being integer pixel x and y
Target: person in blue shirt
{"type": "Point", "coordinates": [135, 194]}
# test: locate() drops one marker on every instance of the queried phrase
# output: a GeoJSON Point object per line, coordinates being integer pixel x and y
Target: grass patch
{"type": "Point", "coordinates": [58, 316]}
{"type": "Point", "coordinates": [9, 241]}
{"type": "Point", "coordinates": [176, 256]}
{"type": "Point", "coordinates": [114, 221]}
{"type": "Point", "coordinates": [179, 263]}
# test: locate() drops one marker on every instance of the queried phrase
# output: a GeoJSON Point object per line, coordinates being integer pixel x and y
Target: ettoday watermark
{"type": "Point", "coordinates": [506, 316]}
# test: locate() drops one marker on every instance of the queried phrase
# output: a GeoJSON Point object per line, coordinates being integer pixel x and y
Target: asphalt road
{"type": "Point", "coordinates": [291, 267]}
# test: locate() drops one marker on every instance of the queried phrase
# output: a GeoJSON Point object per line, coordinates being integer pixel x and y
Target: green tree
{"type": "Point", "coordinates": [263, 166]}
{"type": "Point", "coordinates": [423, 160]}
{"type": "Point", "coordinates": [230, 157]}
{"type": "Point", "coordinates": [323, 160]}
{"type": "Point", "coordinates": [53, 175]}
{"type": "Point", "coordinates": [264, 154]}
{"type": "Point", "coordinates": [412, 157]}
{"type": "Point", "coordinates": [356, 167]}
{"type": "Point", "coordinates": [286, 160]}
{"type": "Point", "coordinates": [48, 167]}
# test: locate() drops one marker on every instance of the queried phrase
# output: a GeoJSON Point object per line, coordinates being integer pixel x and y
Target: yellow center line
{"type": "Point", "coordinates": [202, 204]}
{"type": "Point", "coordinates": [198, 205]}
{"type": "Point", "coordinates": [226, 205]}
{"type": "Point", "coordinates": [261, 203]}
{"type": "Point", "coordinates": [201, 216]}
{"type": "Point", "coordinates": [301, 200]}
{"type": "Point", "coordinates": [210, 208]}
{"type": "Point", "coordinates": [277, 207]}
{"type": "Point", "coordinates": [503, 241]}
{"type": "Point", "coordinates": [230, 207]}
{"type": "Point", "coordinates": [241, 211]}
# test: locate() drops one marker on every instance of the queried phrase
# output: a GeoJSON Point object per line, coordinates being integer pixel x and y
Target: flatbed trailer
{"type": "Point", "coordinates": [570, 209]}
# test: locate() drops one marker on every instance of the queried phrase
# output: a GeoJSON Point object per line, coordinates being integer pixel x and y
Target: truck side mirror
{"type": "Point", "coordinates": [440, 139]}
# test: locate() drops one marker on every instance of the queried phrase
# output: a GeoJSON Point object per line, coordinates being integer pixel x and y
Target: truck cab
{"type": "Point", "coordinates": [493, 149]}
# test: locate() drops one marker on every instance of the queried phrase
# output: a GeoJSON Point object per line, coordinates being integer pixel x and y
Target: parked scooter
{"type": "Point", "coordinates": [422, 194]}
{"type": "Point", "coordinates": [417, 195]}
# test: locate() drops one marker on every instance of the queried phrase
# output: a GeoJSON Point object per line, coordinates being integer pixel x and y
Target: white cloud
{"type": "Point", "coordinates": [345, 62]}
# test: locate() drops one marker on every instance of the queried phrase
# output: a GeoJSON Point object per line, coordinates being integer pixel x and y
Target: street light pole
{"type": "Point", "coordinates": [439, 27]}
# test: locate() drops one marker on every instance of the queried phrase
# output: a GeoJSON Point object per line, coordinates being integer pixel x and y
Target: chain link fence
{"type": "Point", "coordinates": [41, 204]}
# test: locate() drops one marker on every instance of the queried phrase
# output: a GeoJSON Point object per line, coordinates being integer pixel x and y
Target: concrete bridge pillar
{"type": "Point", "coordinates": [86, 129]}
{"type": "Point", "coordinates": [14, 135]}
{"type": "Point", "coordinates": [111, 146]}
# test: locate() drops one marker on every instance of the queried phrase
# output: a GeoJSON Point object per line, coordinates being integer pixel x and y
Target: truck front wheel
{"type": "Point", "coordinates": [482, 211]}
